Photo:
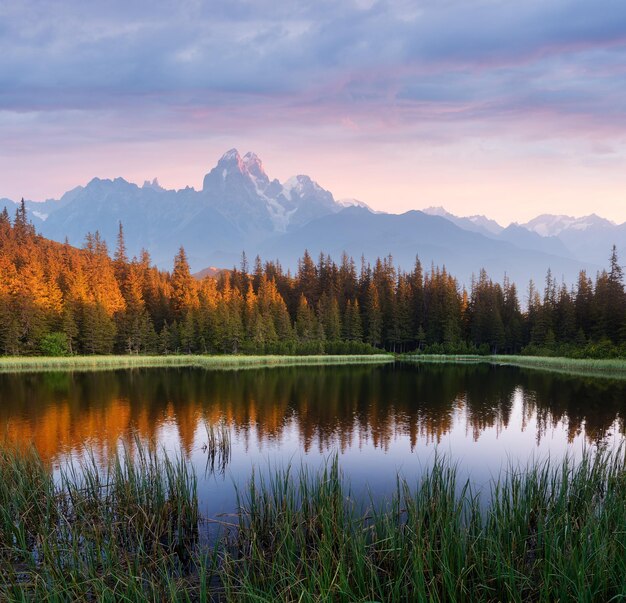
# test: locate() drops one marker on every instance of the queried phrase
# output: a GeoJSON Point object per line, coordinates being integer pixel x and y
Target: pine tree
{"type": "Point", "coordinates": [70, 328]}
{"type": "Point", "coordinates": [374, 317]}
{"type": "Point", "coordinates": [615, 309]}
{"type": "Point", "coordinates": [329, 317]}
{"type": "Point", "coordinates": [120, 259]}
{"type": "Point", "coordinates": [306, 326]}
{"type": "Point", "coordinates": [353, 326]}
{"type": "Point", "coordinates": [183, 296]}
{"type": "Point", "coordinates": [307, 279]}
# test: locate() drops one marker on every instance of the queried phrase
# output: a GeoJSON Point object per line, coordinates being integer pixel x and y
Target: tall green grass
{"type": "Point", "coordinates": [613, 368]}
{"type": "Point", "coordinates": [129, 532]}
{"type": "Point", "coordinates": [546, 532]}
{"type": "Point", "coordinates": [92, 363]}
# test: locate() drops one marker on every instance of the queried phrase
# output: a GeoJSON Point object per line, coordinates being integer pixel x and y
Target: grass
{"type": "Point", "coordinates": [546, 532]}
{"type": "Point", "coordinates": [12, 364]}
{"type": "Point", "coordinates": [549, 533]}
{"type": "Point", "coordinates": [129, 533]}
{"type": "Point", "coordinates": [612, 368]}
{"type": "Point", "coordinates": [217, 448]}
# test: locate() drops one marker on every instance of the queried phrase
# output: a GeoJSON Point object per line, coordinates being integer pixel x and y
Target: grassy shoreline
{"type": "Point", "coordinates": [15, 364]}
{"type": "Point", "coordinates": [550, 531]}
{"type": "Point", "coordinates": [609, 368]}
{"type": "Point", "coordinates": [614, 368]}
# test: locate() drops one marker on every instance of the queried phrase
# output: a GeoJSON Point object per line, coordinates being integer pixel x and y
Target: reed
{"type": "Point", "coordinates": [125, 532]}
{"type": "Point", "coordinates": [549, 531]}
{"type": "Point", "coordinates": [217, 447]}
{"type": "Point", "coordinates": [14, 364]}
{"type": "Point", "coordinates": [614, 368]}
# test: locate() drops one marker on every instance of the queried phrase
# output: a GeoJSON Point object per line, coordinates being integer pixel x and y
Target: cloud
{"type": "Point", "coordinates": [72, 47]}
{"type": "Point", "coordinates": [82, 73]}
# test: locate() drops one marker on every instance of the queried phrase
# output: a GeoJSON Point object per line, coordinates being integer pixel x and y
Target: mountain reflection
{"type": "Point", "coordinates": [328, 407]}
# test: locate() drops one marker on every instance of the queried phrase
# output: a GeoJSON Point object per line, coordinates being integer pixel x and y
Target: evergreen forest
{"type": "Point", "coordinates": [56, 299]}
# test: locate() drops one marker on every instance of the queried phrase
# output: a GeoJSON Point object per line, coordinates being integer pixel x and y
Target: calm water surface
{"type": "Point", "coordinates": [381, 420]}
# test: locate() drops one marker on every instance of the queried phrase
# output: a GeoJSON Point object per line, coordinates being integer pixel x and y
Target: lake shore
{"type": "Point", "coordinates": [16, 364]}
{"type": "Point", "coordinates": [614, 368]}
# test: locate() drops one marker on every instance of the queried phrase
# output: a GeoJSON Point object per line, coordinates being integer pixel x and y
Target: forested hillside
{"type": "Point", "coordinates": [57, 299]}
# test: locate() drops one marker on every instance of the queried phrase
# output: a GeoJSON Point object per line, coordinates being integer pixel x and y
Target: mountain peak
{"type": "Point", "coordinates": [230, 163]}
{"type": "Point", "coordinates": [251, 157]}
{"type": "Point", "coordinates": [438, 211]}
{"type": "Point", "coordinates": [553, 225]}
{"type": "Point", "coordinates": [254, 167]}
{"type": "Point", "coordinates": [476, 223]}
{"type": "Point", "coordinates": [154, 185]}
{"type": "Point", "coordinates": [299, 183]}
{"type": "Point", "coordinates": [231, 155]}
{"type": "Point", "coordinates": [355, 203]}
{"type": "Point", "coordinates": [118, 183]}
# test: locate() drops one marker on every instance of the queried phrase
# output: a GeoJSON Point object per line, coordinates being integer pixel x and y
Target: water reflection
{"type": "Point", "coordinates": [323, 408]}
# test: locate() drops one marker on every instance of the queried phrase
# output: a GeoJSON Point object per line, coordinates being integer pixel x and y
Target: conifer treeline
{"type": "Point", "coordinates": [57, 299]}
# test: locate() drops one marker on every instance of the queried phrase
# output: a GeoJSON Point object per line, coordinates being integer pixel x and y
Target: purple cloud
{"type": "Point", "coordinates": [79, 74]}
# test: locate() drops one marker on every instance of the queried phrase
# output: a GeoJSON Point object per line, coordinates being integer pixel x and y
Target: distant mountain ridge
{"type": "Point", "coordinates": [586, 238]}
{"type": "Point", "coordinates": [240, 208]}
{"type": "Point", "coordinates": [548, 225]}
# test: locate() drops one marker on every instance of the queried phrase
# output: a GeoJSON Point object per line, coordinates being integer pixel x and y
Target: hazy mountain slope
{"type": "Point", "coordinates": [241, 207]}
{"type": "Point", "coordinates": [590, 237]}
{"type": "Point", "coordinates": [159, 221]}
{"type": "Point", "coordinates": [476, 223]}
{"type": "Point", "coordinates": [527, 239]}
{"type": "Point", "coordinates": [433, 238]}
{"type": "Point", "coordinates": [518, 235]}
{"type": "Point", "coordinates": [238, 203]}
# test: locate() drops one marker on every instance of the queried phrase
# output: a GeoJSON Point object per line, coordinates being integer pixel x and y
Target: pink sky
{"type": "Point", "coordinates": [466, 178]}
{"type": "Point", "coordinates": [509, 110]}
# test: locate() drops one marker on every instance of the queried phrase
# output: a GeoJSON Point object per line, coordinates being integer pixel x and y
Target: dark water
{"type": "Point", "coordinates": [380, 419]}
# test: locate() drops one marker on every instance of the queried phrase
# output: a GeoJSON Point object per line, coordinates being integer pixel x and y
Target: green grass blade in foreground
{"type": "Point", "coordinates": [128, 531]}
{"type": "Point", "coordinates": [546, 532]}
{"type": "Point", "coordinates": [551, 531]}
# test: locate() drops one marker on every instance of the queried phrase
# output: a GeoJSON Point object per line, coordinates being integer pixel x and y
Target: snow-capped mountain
{"type": "Point", "coordinates": [514, 233]}
{"type": "Point", "coordinates": [241, 190]}
{"type": "Point", "coordinates": [241, 208]}
{"type": "Point", "coordinates": [356, 203]}
{"type": "Point", "coordinates": [476, 223]}
{"type": "Point", "coordinates": [239, 205]}
{"type": "Point", "coordinates": [588, 237]}
{"type": "Point", "coordinates": [548, 225]}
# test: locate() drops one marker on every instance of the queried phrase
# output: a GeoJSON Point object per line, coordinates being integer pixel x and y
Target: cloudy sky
{"type": "Point", "coordinates": [501, 107]}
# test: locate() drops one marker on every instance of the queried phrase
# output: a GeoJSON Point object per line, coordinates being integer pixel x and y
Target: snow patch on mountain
{"type": "Point", "coordinates": [356, 203]}
{"type": "Point", "coordinates": [548, 225]}
{"type": "Point", "coordinates": [487, 223]}
{"type": "Point", "coordinates": [476, 222]}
